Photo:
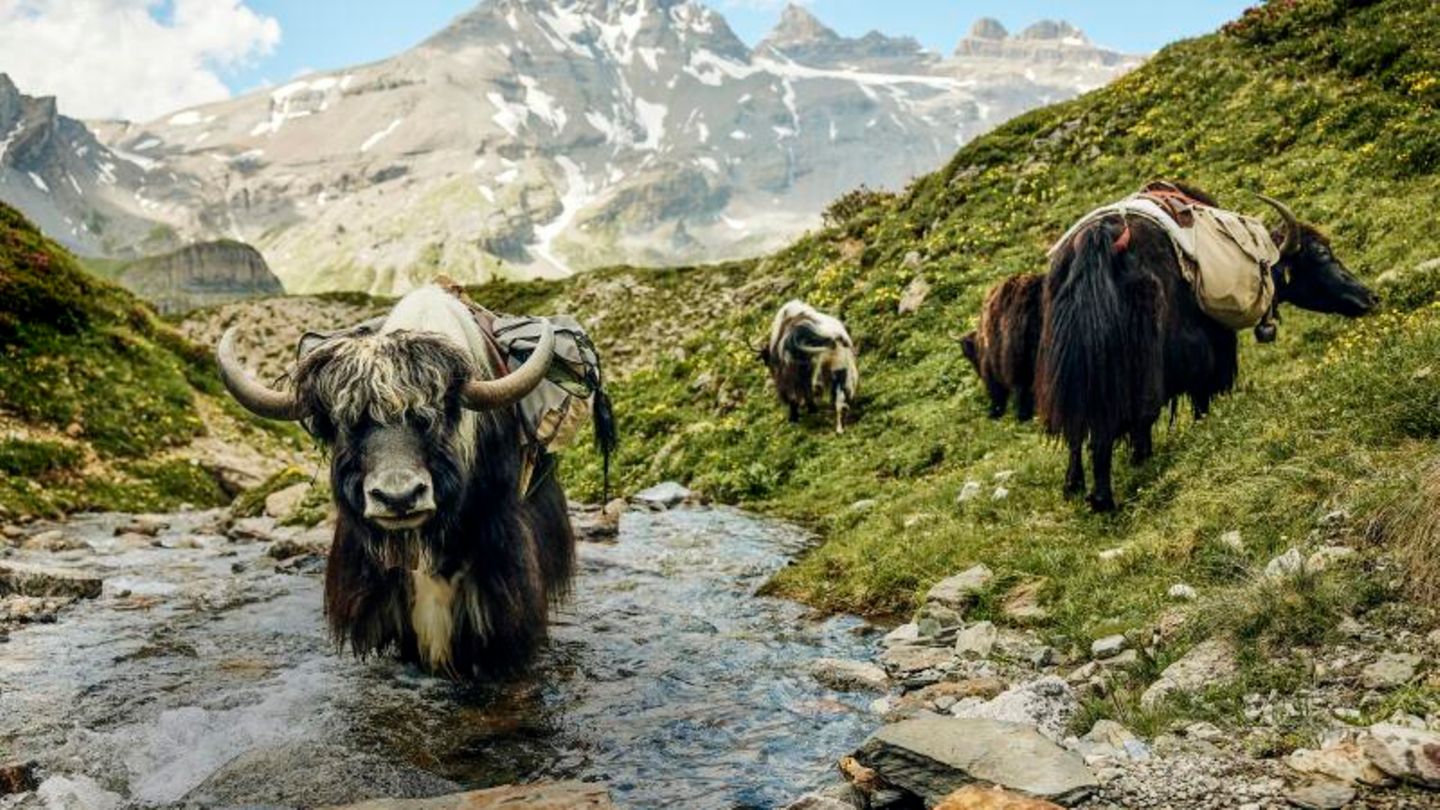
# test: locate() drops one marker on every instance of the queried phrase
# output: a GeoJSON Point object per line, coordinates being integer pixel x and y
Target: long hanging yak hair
{"type": "Point", "coordinates": [509, 556]}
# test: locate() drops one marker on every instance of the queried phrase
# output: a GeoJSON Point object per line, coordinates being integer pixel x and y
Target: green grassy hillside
{"type": "Point", "coordinates": [1327, 104]}
{"type": "Point", "coordinates": [96, 394]}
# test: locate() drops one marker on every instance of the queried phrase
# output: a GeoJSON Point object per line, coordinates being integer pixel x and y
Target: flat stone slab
{"type": "Point", "coordinates": [545, 796]}
{"type": "Point", "coordinates": [30, 580]}
{"type": "Point", "coordinates": [933, 756]}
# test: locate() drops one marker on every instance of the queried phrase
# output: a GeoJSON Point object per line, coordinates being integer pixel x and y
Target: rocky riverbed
{"type": "Point", "coordinates": [181, 659]}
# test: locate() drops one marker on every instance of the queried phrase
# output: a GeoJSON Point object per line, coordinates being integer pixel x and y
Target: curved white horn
{"type": "Point", "coordinates": [257, 397]}
{"type": "Point", "coordinates": [486, 395]}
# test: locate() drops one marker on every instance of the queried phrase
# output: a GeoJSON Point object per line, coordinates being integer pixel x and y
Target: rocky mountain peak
{"type": "Point", "coordinates": [988, 28]}
{"type": "Point", "coordinates": [798, 26]}
{"type": "Point", "coordinates": [1045, 30]}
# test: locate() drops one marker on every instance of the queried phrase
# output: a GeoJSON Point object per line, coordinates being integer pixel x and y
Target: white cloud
{"type": "Point", "coordinates": [135, 59]}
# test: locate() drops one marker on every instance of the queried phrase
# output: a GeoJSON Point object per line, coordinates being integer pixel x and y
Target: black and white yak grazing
{"type": "Point", "coordinates": [810, 353]}
{"type": "Point", "coordinates": [1124, 336]}
{"type": "Point", "coordinates": [1003, 348]}
{"type": "Point", "coordinates": [438, 555]}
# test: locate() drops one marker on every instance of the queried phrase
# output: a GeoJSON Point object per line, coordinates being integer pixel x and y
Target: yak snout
{"type": "Point", "coordinates": [398, 490]}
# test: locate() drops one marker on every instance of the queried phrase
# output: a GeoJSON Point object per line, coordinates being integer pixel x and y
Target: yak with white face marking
{"type": "Point", "coordinates": [811, 353]}
{"type": "Point", "coordinates": [438, 555]}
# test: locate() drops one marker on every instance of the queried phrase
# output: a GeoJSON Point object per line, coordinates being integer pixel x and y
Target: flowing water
{"type": "Point", "coordinates": [203, 676]}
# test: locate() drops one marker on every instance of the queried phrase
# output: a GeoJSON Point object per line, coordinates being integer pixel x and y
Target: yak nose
{"type": "Point", "coordinates": [398, 494]}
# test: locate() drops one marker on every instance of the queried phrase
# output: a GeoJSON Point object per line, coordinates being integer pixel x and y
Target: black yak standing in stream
{"type": "Point", "coordinates": [1003, 348]}
{"type": "Point", "coordinates": [1124, 335]}
{"type": "Point", "coordinates": [442, 553]}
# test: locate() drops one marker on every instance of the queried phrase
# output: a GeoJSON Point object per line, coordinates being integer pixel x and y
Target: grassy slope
{"type": "Point", "coordinates": [96, 394]}
{"type": "Point", "coordinates": [1330, 105]}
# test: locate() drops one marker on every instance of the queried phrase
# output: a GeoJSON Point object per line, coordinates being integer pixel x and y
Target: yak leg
{"type": "Point", "coordinates": [1102, 451]}
{"type": "Point", "coordinates": [1141, 446]}
{"type": "Point", "coordinates": [999, 397]}
{"type": "Point", "coordinates": [1075, 473]}
{"type": "Point", "coordinates": [1025, 404]}
{"type": "Point", "coordinates": [794, 411]}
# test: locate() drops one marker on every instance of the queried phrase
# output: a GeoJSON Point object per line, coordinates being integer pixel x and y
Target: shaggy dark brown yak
{"type": "Point", "coordinates": [438, 556]}
{"type": "Point", "coordinates": [810, 352]}
{"type": "Point", "coordinates": [1124, 336]}
{"type": "Point", "coordinates": [1003, 348]}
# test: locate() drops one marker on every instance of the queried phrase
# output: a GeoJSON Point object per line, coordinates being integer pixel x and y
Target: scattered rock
{"type": "Point", "coordinates": [1327, 556]}
{"type": "Point", "coordinates": [933, 756]}
{"type": "Point", "coordinates": [18, 777]}
{"type": "Point", "coordinates": [544, 796]}
{"type": "Point", "coordinates": [614, 509]}
{"type": "Point", "coordinates": [1110, 739]}
{"type": "Point", "coordinates": [1000, 494]}
{"type": "Point", "coordinates": [1107, 647]}
{"type": "Point", "coordinates": [282, 503]}
{"type": "Point", "coordinates": [1289, 564]}
{"type": "Point", "coordinates": [1209, 662]}
{"type": "Point", "coordinates": [1232, 540]}
{"type": "Point", "coordinates": [914, 296]}
{"type": "Point", "coordinates": [849, 676]}
{"type": "Point", "coordinates": [863, 505]}
{"type": "Point", "coordinates": [52, 540]}
{"type": "Point", "coordinates": [903, 660]}
{"type": "Point", "coordinates": [866, 780]}
{"type": "Point", "coordinates": [665, 495]}
{"type": "Point", "coordinates": [29, 580]}
{"type": "Point", "coordinates": [1390, 671]}
{"type": "Point", "coordinates": [975, 797]}
{"type": "Point", "coordinates": [834, 797]}
{"type": "Point", "coordinates": [1111, 554]}
{"type": "Point", "coordinates": [1048, 704]}
{"type": "Point", "coordinates": [961, 590]}
{"type": "Point", "coordinates": [148, 525]}
{"type": "Point", "coordinates": [1182, 592]}
{"type": "Point", "coordinates": [1023, 602]}
{"type": "Point", "coordinates": [254, 530]}
{"type": "Point", "coordinates": [1345, 761]}
{"type": "Point", "coordinates": [1321, 793]}
{"type": "Point", "coordinates": [968, 491]}
{"type": "Point", "coordinates": [904, 634]}
{"type": "Point", "coordinates": [976, 641]}
{"type": "Point", "coordinates": [1408, 754]}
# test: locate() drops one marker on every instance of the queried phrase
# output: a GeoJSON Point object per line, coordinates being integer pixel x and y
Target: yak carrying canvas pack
{"type": "Point", "coordinates": [1225, 256]}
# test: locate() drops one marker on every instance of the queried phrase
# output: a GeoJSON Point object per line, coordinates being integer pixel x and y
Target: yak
{"type": "Point", "coordinates": [438, 556]}
{"type": "Point", "coordinates": [810, 353]}
{"type": "Point", "coordinates": [1002, 350]}
{"type": "Point", "coordinates": [1123, 334]}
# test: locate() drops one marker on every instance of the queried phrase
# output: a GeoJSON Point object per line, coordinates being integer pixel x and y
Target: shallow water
{"type": "Point", "coordinates": [202, 676]}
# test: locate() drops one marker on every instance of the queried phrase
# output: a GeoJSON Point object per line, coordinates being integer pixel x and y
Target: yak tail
{"type": "Point", "coordinates": [1083, 342]}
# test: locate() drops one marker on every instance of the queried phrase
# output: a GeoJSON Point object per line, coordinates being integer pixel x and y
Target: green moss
{"type": "Point", "coordinates": [82, 356]}
{"type": "Point", "coordinates": [37, 458]}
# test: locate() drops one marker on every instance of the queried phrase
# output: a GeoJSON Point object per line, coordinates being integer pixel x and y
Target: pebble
{"type": "Point", "coordinates": [1107, 647]}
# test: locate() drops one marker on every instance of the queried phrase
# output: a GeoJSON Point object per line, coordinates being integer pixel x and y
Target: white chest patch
{"type": "Point", "coordinates": [433, 617]}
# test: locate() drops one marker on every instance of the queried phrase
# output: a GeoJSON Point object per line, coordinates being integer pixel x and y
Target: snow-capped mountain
{"type": "Point", "coordinates": [78, 190]}
{"type": "Point", "coordinates": [542, 137]}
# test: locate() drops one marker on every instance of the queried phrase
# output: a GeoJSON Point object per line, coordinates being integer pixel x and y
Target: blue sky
{"type": "Point", "coordinates": [326, 34]}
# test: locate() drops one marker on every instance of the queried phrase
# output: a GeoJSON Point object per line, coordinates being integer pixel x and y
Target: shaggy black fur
{"type": "Point", "coordinates": [514, 554]}
{"type": "Point", "coordinates": [1123, 336]}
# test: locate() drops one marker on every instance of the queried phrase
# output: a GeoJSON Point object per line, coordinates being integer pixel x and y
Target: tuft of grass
{"type": "Point", "coordinates": [251, 503]}
{"type": "Point", "coordinates": [1411, 525]}
{"type": "Point", "coordinates": [82, 357]}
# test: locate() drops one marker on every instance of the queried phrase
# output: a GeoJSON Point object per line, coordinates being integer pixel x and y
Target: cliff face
{"type": "Point", "coordinates": [201, 275]}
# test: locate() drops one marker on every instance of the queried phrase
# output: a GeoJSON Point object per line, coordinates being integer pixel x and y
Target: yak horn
{"type": "Point", "coordinates": [257, 397]}
{"type": "Point", "coordinates": [486, 395]}
{"type": "Point", "coordinates": [1292, 224]}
